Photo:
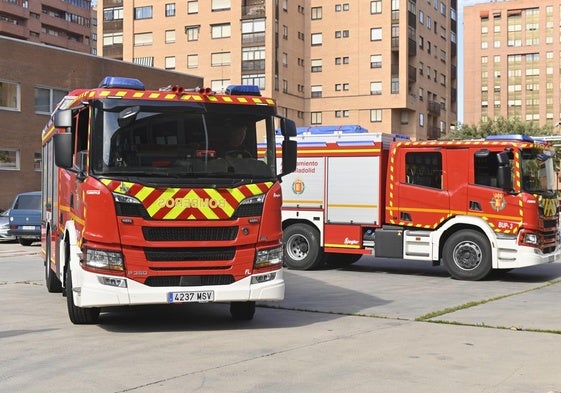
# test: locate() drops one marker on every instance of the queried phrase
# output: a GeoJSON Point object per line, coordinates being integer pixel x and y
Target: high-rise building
{"type": "Point", "coordinates": [386, 65]}
{"type": "Point", "coordinates": [60, 23]}
{"type": "Point", "coordinates": [512, 54]}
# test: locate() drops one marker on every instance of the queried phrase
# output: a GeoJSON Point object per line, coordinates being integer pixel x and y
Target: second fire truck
{"type": "Point", "coordinates": [473, 205]}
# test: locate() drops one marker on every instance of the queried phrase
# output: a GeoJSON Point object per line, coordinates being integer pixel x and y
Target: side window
{"type": "Point", "coordinates": [424, 169]}
{"type": "Point", "coordinates": [485, 169]}
{"type": "Point", "coordinates": [81, 134]}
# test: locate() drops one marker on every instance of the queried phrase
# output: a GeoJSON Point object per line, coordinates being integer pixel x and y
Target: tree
{"type": "Point", "coordinates": [497, 126]}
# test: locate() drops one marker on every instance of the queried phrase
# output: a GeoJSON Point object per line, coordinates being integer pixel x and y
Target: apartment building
{"type": "Point", "coordinates": [33, 79]}
{"type": "Point", "coordinates": [388, 65]}
{"type": "Point", "coordinates": [60, 23]}
{"type": "Point", "coordinates": [512, 53]}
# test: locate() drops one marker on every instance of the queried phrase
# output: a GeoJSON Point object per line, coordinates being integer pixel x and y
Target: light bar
{"type": "Point", "coordinates": [510, 137]}
{"type": "Point", "coordinates": [243, 90]}
{"type": "Point", "coordinates": [118, 82]}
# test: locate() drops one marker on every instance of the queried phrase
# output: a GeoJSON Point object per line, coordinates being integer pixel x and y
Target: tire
{"type": "Point", "coordinates": [301, 247]}
{"type": "Point", "coordinates": [25, 242]}
{"type": "Point", "coordinates": [79, 315]}
{"type": "Point", "coordinates": [51, 280]}
{"type": "Point", "coordinates": [341, 260]}
{"type": "Point", "coordinates": [467, 255]}
{"type": "Point", "coordinates": [242, 311]}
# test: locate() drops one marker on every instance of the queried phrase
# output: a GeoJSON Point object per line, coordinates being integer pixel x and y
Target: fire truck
{"type": "Point", "coordinates": [473, 205]}
{"type": "Point", "coordinates": [145, 200]}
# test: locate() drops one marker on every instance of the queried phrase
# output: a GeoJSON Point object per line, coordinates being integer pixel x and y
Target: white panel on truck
{"type": "Point", "coordinates": [305, 187]}
{"type": "Point", "coordinates": [353, 187]}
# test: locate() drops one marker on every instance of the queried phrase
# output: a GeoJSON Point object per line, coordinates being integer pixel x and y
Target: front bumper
{"type": "Point", "coordinates": [511, 255]}
{"type": "Point", "coordinates": [89, 292]}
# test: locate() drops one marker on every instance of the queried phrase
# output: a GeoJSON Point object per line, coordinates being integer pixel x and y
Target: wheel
{"type": "Point", "coordinates": [79, 315]}
{"type": "Point", "coordinates": [301, 247]}
{"type": "Point", "coordinates": [341, 260]}
{"type": "Point", "coordinates": [467, 255]}
{"type": "Point", "coordinates": [51, 280]}
{"type": "Point", "coordinates": [242, 311]}
{"type": "Point", "coordinates": [25, 242]}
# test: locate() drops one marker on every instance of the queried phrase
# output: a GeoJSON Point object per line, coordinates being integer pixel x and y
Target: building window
{"type": "Point", "coordinates": [143, 12]}
{"type": "Point", "coordinates": [170, 9]}
{"type": "Point", "coordinates": [220, 59]}
{"type": "Point", "coordinates": [192, 61]}
{"type": "Point", "coordinates": [376, 88]}
{"type": "Point", "coordinates": [193, 7]}
{"type": "Point", "coordinates": [113, 13]}
{"type": "Point", "coordinates": [421, 119]}
{"type": "Point", "coordinates": [9, 159]}
{"type": "Point", "coordinates": [112, 39]}
{"type": "Point", "coordinates": [220, 31]}
{"type": "Point", "coordinates": [220, 5]}
{"type": "Point", "coordinates": [375, 61]}
{"type": "Point", "coordinates": [37, 161]}
{"type": "Point", "coordinates": [317, 65]}
{"type": "Point", "coordinates": [317, 91]}
{"type": "Point", "coordinates": [317, 13]}
{"type": "Point", "coordinates": [317, 39]}
{"type": "Point", "coordinates": [46, 99]}
{"type": "Point", "coordinates": [170, 36]}
{"type": "Point", "coordinates": [253, 58]}
{"type": "Point", "coordinates": [142, 39]}
{"type": "Point", "coordinates": [253, 31]}
{"type": "Point", "coordinates": [284, 86]}
{"type": "Point", "coordinates": [375, 115]}
{"type": "Point", "coordinates": [147, 61]}
{"type": "Point", "coordinates": [254, 79]}
{"type": "Point", "coordinates": [219, 84]}
{"type": "Point", "coordinates": [170, 62]}
{"type": "Point", "coordinates": [315, 118]}
{"type": "Point", "coordinates": [376, 34]}
{"type": "Point", "coordinates": [376, 7]}
{"type": "Point", "coordinates": [284, 59]}
{"type": "Point", "coordinates": [9, 95]}
{"type": "Point", "coordinates": [192, 32]}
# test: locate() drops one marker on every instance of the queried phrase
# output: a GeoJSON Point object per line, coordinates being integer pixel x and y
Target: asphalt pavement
{"type": "Point", "coordinates": [377, 326]}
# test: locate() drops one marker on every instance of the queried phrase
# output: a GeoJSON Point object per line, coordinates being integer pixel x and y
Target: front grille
{"type": "Point", "coordinates": [131, 210]}
{"type": "Point", "coordinates": [191, 281]}
{"type": "Point", "coordinates": [550, 223]}
{"type": "Point", "coordinates": [190, 254]}
{"type": "Point", "coordinates": [189, 234]}
{"type": "Point", "coordinates": [249, 210]}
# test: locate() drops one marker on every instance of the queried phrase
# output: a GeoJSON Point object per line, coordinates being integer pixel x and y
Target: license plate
{"type": "Point", "coordinates": [28, 228]}
{"type": "Point", "coordinates": [191, 297]}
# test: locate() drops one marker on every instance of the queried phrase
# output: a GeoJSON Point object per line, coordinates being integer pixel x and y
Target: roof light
{"type": "Point", "coordinates": [121, 83]}
{"type": "Point", "coordinates": [510, 137]}
{"type": "Point", "coordinates": [243, 90]}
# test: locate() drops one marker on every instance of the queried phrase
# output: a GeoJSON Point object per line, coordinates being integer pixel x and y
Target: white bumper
{"type": "Point", "coordinates": [510, 255]}
{"type": "Point", "coordinates": [89, 292]}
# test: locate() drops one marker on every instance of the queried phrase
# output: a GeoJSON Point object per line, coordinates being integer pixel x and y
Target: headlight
{"type": "Point", "coordinates": [268, 257]}
{"type": "Point", "coordinates": [120, 198]}
{"type": "Point", "coordinates": [102, 259]}
{"type": "Point", "coordinates": [531, 238]}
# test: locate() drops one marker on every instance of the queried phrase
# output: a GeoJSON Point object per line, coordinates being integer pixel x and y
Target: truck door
{"type": "Point", "coordinates": [421, 198]}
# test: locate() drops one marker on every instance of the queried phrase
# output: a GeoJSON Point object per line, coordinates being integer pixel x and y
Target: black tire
{"type": "Point", "coordinates": [51, 280]}
{"type": "Point", "coordinates": [242, 311]}
{"type": "Point", "coordinates": [25, 242]}
{"type": "Point", "coordinates": [341, 260]}
{"type": "Point", "coordinates": [79, 315]}
{"type": "Point", "coordinates": [301, 247]}
{"type": "Point", "coordinates": [467, 255]}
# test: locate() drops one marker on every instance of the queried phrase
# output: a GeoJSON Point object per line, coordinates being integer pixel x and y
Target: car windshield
{"type": "Point", "coordinates": [538, 173]}
{"type": "Point", "coordinates": [179, 141]}
{"type": "Point", "coordinates": [29, 202]}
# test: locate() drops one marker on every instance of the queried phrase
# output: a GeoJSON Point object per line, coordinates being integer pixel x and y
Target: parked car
{"type": "Point", "coordinates": [25, 218]}
{"type": "Point", "coordinates": [4, 226]}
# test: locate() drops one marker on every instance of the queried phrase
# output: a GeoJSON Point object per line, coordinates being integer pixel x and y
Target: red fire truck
{"type": "Point", "coordinates": [147, 198]}
{"type": "Point", "coordinates": [473, 205]}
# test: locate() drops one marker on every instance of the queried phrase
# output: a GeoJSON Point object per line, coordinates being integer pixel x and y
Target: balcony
{"type": "Point", "coordinates": [433, 133]}
{"type": "Point", "coordinates": [15, 9]}
{"type": "Point", "coordinates": [254, 10]}
{"type": "Point", "coordinates": [14, 30]}
{"type": "Point", "coordinates": [412, 74]}
{"type": "Point", "coordinates": [434, 108]}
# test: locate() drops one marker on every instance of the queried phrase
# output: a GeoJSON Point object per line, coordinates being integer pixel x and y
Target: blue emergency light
{"type": "Point", "coordinates": [243, 90]}
{"type": "Point", "coordinates": [510, 137]}
{"type": "Point", "coordinates": [118, 82]}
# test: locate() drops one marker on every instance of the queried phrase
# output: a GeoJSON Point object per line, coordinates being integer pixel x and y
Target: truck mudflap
{"type": "Point", "coordinates": [99, 290]}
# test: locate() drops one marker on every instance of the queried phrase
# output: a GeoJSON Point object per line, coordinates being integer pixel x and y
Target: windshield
{"type": "Point", "coordinates": [538, 174]}
{"type": "Point", "coordinates": [177, 140]}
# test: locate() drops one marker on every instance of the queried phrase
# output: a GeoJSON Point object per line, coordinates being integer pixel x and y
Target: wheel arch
{"type": "Point", "coordinates": [292, 221]}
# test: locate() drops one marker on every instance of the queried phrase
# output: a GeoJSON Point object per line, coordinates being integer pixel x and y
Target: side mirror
{"type": "Point", "coordinates": [504, 172]}
{"type": "Point", "coordinates": [289, 149]}
{"type": "Point", "coordinates": [288, 127]}
{"type": "Point", "coordinates": [63, 150]}
{"type": "Point", "coordinates": [63, 118]}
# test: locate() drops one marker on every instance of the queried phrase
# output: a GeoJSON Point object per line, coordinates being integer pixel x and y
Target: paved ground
{"type": "Point", "coordinates": [369, 328]}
